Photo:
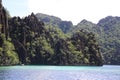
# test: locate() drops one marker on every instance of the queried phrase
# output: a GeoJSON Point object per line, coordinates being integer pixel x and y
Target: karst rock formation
{"type": "Point", "coordinates": [3, 20]}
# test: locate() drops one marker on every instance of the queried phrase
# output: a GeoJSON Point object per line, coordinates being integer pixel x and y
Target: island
{"type": "Point", "coordinates": [32, 41]}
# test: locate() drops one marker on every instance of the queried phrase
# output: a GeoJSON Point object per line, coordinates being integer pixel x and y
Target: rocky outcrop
{"type": "Point", "coordinates": [3, 20]}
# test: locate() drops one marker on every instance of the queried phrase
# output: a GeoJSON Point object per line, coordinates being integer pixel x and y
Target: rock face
{"type": "Point", "coordinates": [65, 26]}
{"type": "Point", "coordinates": [8, 56]}
{"type": "Point", "coordinates": [107, 31]}
{"type": "Point", "coordinates": [30, 42]}
{"type": "Point", "coordinates": [3, 20]}
{"type": "Point", "coordinates": [38, 45]}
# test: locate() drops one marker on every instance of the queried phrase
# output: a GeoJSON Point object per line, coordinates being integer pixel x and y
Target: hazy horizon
{"type": "Point", "coordinates": [70, 10]}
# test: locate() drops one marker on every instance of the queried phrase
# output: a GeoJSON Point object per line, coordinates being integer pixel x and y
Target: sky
{"type": "Point", "coordinates": [17, 7]}
{"type": "Point", "coordinates": [70, 10]}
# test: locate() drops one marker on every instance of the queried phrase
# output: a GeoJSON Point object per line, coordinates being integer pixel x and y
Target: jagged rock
{"type": "Point", "coordinates": [3, 20]}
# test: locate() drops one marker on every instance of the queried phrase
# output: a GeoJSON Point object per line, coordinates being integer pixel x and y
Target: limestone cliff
{"type": "Point", "coordinates": [3, 20]}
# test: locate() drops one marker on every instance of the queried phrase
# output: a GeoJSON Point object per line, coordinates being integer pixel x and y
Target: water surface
{"type": "Point", "coordinates": [60, 73]}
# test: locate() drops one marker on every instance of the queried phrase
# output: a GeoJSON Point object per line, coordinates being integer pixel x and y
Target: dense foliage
{"type": "Point", "coordinates": [108, 34]}
{"type": "Point", "coordinates": [46, 44]}
{"type": "Point", "coordinates": [8, 56]}
{"type": "Point", "coordinates": [110, 39]}
{"type": "Point", "coordinates": [39, 40]}
{"type": "Point", "coordinates": [65, 26]}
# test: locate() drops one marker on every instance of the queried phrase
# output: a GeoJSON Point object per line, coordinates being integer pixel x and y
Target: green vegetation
{"type": "Point", "coordinates": [107, 32]}
{"type": "Point", "coordinates": [46, 44]}
{"type": "Point", "coordinates": [65, 26]}
{"type": "Point", "coordinates": [47, 40]}
{"type": "Point", "coordinates": [110, 40]}
{"type": "Point", "coordinates": [8, 56]}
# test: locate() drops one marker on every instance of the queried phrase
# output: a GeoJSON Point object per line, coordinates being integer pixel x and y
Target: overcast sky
{"type": "Point", "coordinates": [73, 10]}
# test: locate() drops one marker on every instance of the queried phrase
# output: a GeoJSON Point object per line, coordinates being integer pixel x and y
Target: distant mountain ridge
{"type": "Point", "coordinates": [47, 18]}
{"type": "Point", "coordinates": [107, 31]}
{"type": "Point", "coordinates": [108, 20]}
{"type": "Point", "coordinates": [108, 34]}
{"type": "Point", "coordinates": [48, 40]}
{"type": "Point", "coordinates": [65, 26]}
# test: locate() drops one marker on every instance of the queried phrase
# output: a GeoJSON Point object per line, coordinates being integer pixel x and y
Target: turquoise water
{"type": "Point", "coordinates": [60, 73]}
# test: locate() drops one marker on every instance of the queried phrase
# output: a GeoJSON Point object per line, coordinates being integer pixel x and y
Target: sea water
{"type": "Point", "coordinates": [106, 72]}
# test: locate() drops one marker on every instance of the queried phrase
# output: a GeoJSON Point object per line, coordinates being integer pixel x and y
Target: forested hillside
{"type": "Point", "coordinates": [31, 40]}
{"type": "Point", "coordinates": [107, 32]}
{"type": "Point", "coordinates": [48, 40]}
{"type": "Point", "coordinates": [41, 41]}
{"type": "Point", "coordinates": [37, 44]}
{"type": "Point", "coordinates": [110, 39]}
{"type": "Point", "coordinates": [8, 55]}
{"type": "Point", "coordinates": [65, 26]}
{"type": "Point", "coordinates": [44, 39]}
